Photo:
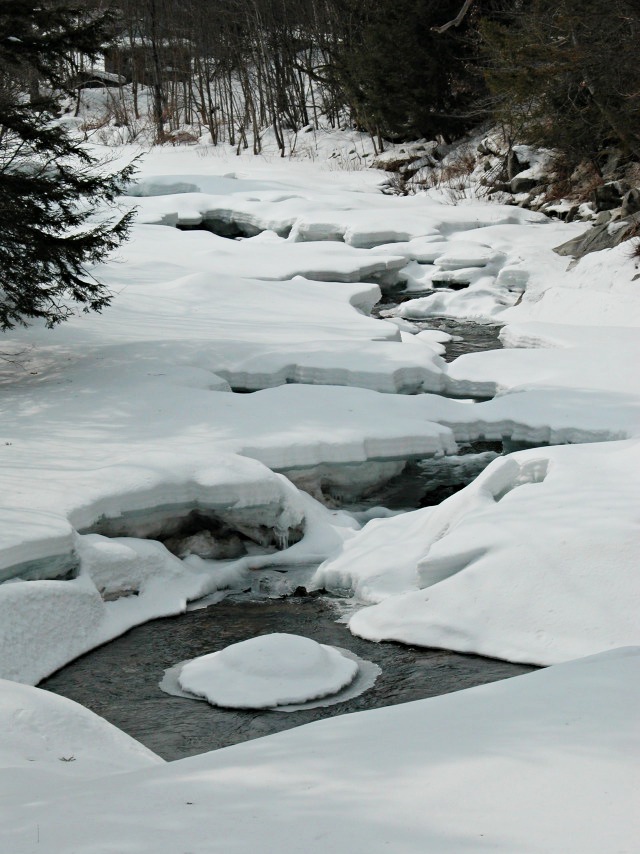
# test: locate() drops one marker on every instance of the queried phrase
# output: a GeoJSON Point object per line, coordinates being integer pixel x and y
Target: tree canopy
{"type": "Point", "coordinates": [53, 193]}
{"type": "Point", "coordinates": [565, 73]}
{"type": "Point", "coordinates": [405, 79]}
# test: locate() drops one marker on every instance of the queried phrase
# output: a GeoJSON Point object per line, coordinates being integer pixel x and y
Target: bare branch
{"type": "Point", "coordinates": [457, 20]}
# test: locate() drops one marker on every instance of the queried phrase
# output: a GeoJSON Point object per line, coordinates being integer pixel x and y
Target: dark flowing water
{"type": "Point", "coordinates": [468, 337]}
{"type": "Point", "coordinates": [120, 680]}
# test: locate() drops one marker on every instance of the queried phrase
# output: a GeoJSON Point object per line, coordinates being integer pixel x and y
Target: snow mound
{"type": "Point", "coordinates": [37, 726]}
{"type": "Point", "coordinates": [48, 741]}
{"type": "Point", "coordinates": [535, 561]}
{"type": "Point", "coordinates": [365, 678]}
{"type": "Point", "coordinates": [45, 624]}
{"type": "Point", "coordinates": [271, 670]}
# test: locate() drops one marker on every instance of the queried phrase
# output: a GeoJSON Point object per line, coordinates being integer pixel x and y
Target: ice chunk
{"type": "Point", "coordinates": [271, 670]}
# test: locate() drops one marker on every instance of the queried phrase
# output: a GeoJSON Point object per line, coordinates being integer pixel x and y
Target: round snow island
{"type": "Point", "coordinates": [271, 670]}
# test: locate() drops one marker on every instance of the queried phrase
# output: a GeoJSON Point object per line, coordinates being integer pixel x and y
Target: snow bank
{"type": "Point", "coordinates": [45, 624]}
{"type": "Point", "coordinates": [603, 365]}
{"type": "Point", "coordinates": [538, 763]}
{"type": "Point", "coordinates": [48, 743]}
{"type": "Point", "coordinates": [535, 561]}
{"type": "Point", "coordinates": [378, 562]}
{"type": "Point", "coordinates": [600, 290]}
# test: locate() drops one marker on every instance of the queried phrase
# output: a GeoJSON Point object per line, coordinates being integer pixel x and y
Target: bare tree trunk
{"type": "Point", "coordinates": [159, 97]}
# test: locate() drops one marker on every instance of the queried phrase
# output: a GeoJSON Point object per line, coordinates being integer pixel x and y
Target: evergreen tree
{"type": "Point", "coordinates": [565, 74]}
{"type": "Point", "coordinates": [405, 80]}
{"type": "Point", "coordinates": [53, 193]}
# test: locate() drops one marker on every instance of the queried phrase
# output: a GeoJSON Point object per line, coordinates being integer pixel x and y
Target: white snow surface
{"type": "Point", "coordinates": [48, 743]}
{"type": "Point", "coordinates": [539, 763]}
{"type": "Point", "coordinates": [535, 561]}
{"type": "Point", "coordinates": [365, 678]}
{"type": "Point", "coordinates": [121, 423]}
{"type": "Point", "coordinates": [270, 670]}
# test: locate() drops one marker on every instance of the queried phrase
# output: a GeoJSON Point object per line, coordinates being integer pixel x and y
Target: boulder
{"type": "Point", "coordinates": [400, 159]}
{"type": "Point", "coordinates": [206, 546]}
{"type": "Point", "coordinates": [631, 202]}
{"type": "Point", "coordinates": [488, 145]}
{"type": "Point", "coordinates": [604, 236]}
{"type": "Point", "coordinates": [524, 183]}
{"type": "Point", "coordinates": [602, 218]}
{"type": "Point", "coordinates": [571, 214]}
{"type": "Point", "coordinates": [609, 196]}
{"type": "Point", "coordinates": [514, 164]}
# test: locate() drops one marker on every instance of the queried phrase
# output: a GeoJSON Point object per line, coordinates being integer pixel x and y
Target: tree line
{"type": "Point", "coordinates": [558, 73]}
{"type": "Point", "coordinates": [236, 67]}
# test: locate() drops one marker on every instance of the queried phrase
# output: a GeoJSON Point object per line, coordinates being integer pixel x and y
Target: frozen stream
{"type": "Point", "coordinates": [120, 680]}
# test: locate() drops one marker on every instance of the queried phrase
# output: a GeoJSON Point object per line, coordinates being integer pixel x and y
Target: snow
{"type": "Point", "coordinates": [535, 561]}
{"type": "Point", "coordinates": [539, 763]}
{"type": "Point", "coordinates": [277, 669]}
{"type": "Point", "coordinates": [119, 427]}
{"type": "Point", "coordinates": [365, 678]}
{"type": "Point", "coordinates": [270, 257]}
{"type": "Point", "coordinates": [599, 291]}
{"type": "Point", "coordinates": [48, 743]}
{"type": "Point", "coordinates": [607, 368]}
{"type": "Point", "coordinates": [119, 565]}
{"type": "Point", "coordinates": [125, 434]}
{"type": "Point", "coordinates": [323, 214]}
{"type": "Point", "coordinates": [45, 624]}
{"type": "Point", "coordinates": [500, 259]}
{"type": "Point", "coordinates": [125, 581]}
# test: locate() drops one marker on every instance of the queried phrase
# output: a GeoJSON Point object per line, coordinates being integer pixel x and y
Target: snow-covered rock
{"type": "Point", "coordinates": [271, 670]}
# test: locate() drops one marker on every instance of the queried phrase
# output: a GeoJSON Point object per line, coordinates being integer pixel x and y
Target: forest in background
{"type": "Point", "coordinates": [556, 73]}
